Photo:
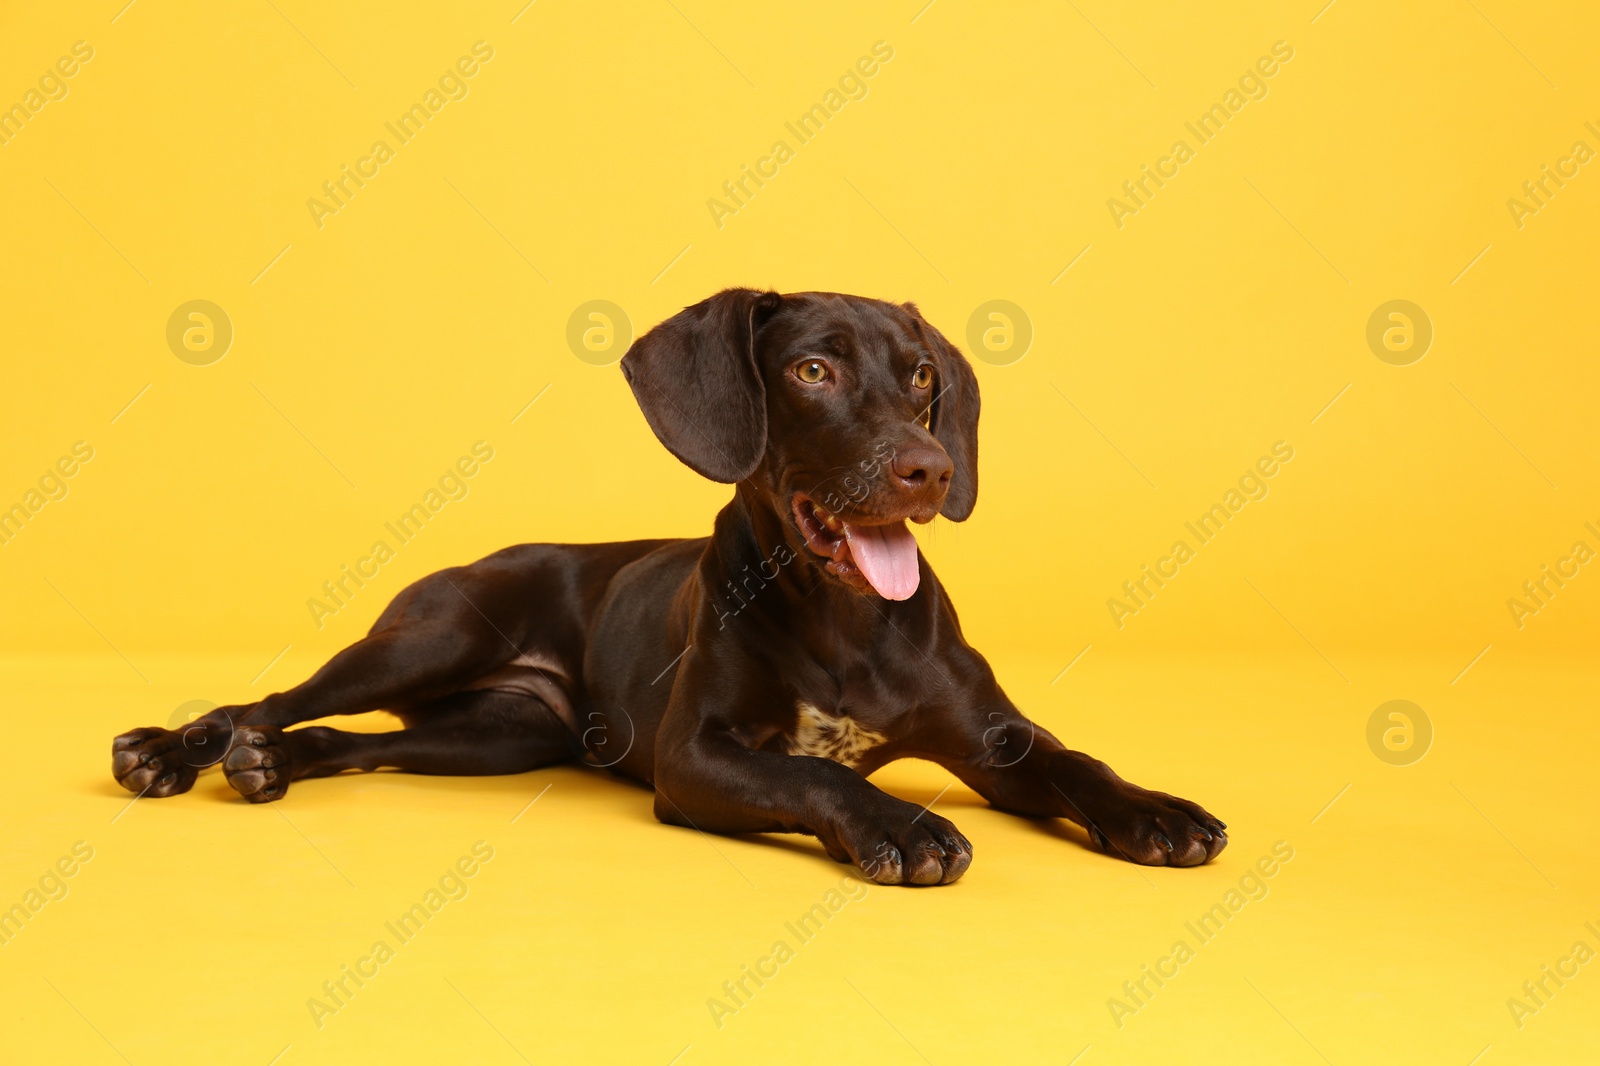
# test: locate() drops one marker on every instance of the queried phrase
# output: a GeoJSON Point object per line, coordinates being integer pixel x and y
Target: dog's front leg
{"type": "Point", "coordinates": [715, 784]}
{"type": "Point", "coordinates": [1018, 766]}
{"type": "Point", "coordinates": [707, 779]}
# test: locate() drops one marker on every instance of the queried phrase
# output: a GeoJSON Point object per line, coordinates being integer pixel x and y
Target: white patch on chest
{"type": "Point", "coordinates": [841, 739]}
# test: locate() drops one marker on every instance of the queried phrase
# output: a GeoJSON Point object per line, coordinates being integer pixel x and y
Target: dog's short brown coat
{"type": "Point", "coordinates": [752, 681]}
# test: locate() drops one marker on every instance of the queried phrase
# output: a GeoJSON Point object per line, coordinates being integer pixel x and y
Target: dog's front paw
{"type": "Point", "coordinates": [1153, 828]}
{"type": "Point", "coordinates": [258, 764]}
{"type": "Point", "coordinates": [903, 845]}
{"type": "Point", "coordinates": [155, 762]}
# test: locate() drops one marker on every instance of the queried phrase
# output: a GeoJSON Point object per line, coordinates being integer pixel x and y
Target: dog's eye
{"type": "Point", "coordinates": [922, 377]}
{"type": "Point", "coordinates": [811, 371]}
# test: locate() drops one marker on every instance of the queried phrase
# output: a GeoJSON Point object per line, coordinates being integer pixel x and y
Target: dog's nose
{"type": "Point", "coordinates": [922, 469]}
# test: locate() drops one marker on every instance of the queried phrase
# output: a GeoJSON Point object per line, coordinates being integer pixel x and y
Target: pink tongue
{"type": "Point", "coordinates": [887, 556]}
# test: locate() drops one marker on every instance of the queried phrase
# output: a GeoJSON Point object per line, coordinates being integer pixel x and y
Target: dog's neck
{"type": "Point", "coordinates": [758, 571]}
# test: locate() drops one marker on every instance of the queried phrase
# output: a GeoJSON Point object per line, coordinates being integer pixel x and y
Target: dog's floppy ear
{"type": "Point", "coordinates": [954, 419]}
{"type": "Point", "coordinates": [696, 380]}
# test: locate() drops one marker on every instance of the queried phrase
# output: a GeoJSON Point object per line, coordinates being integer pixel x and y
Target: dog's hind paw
{"type": "Point", "coordinates": [258, 764]}
{"type": "Point", "coordinates": [154, 762]}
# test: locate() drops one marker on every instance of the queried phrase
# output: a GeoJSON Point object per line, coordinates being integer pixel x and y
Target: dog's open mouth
{"type": "Point", "coordinates": [882, 556]}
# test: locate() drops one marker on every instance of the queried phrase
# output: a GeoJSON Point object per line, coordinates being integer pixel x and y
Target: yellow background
{"type": "Point", "coordinates": [430, 310]}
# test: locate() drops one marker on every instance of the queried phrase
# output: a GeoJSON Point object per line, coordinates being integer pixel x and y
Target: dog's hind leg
{"type": "Point", "coordinates": [468, 733]}
{"type": "Point", "coordinates": [435, 639]}
{"type": "Point", "coordinates": [524, 610]}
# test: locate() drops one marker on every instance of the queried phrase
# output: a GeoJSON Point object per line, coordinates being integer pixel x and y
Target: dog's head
{"type": "Point", "coordinates": [848, 415]}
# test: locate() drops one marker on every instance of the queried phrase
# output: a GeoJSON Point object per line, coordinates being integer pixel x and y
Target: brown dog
{"type": "Point", "coordinates": [754, 677]}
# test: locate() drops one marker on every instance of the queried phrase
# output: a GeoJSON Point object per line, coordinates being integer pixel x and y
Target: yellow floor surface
{"type": "Point", "coordinates": [1321, 273]}
{"type": "Point", "coordinates": [1405, 907]}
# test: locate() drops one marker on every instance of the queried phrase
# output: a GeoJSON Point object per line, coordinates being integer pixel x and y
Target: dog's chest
{"type": "Point", "coordinates": [830, 736]}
